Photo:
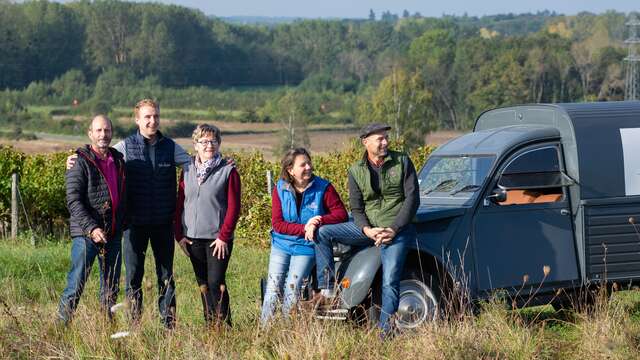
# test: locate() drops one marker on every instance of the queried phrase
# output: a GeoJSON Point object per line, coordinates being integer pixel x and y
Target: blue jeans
{"type": "Point", "coordinates": [285, 278]}
{"type": "Point", "coordinates": [393, 258]}
{"type": "Point", "coordinates": [83, 253]}
{"type": "Point", "coordinates": [136, 242]}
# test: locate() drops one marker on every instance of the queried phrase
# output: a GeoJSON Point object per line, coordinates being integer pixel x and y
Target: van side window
{"type": "Point", "coordinates": [533, 177]}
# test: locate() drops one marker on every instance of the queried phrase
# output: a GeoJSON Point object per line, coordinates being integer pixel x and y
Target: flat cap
{"type": "Point", "coordinates": [373, 128]}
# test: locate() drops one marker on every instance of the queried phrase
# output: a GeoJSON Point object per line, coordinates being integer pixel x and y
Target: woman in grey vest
{"type": "Point", "coordinates": [206, 215]}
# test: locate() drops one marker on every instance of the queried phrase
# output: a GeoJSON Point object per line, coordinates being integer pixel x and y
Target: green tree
{"type": "Point", "coordinates": [433, 54]}
{"type": "Point", "coordinates": [111, 26]}
{"type": "Point", "coordinates": [54, 39]}
{"type": "Point", "coordinates": [402, 101]}
{"type": "Point", "coordinates": [293, 115]}
{"type": "Point", "coordinates": [498, 83]}
{"type": "Point", "coordinates": [72, 85]}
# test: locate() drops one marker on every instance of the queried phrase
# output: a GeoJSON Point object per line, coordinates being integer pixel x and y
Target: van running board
{"type": "Point", "coordinates": [333, 314]}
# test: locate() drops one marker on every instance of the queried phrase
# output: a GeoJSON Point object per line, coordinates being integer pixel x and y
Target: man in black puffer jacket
{"type": "Point", "coordinates": [96, 202]}
{"type": "Point", "coordinates": [151, 159]}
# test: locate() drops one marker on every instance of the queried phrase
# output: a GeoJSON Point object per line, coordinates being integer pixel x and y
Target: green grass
{"type": "Point", "coordinates": [45, 109]}
{"type": "Point", "coordinates": [38, 275]}
{"type": "Point", "coordinates": [31, 280]}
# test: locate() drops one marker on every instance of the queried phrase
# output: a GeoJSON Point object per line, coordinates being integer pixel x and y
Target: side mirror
{"type": "Point", "coordinates": [499, 195]}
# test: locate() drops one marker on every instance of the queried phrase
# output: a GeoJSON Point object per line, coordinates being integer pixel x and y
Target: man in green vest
{"type": "Point", "coordinates": [384, 198]}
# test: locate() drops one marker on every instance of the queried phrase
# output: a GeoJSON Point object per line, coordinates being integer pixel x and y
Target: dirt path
{"type": "Point", "coordinates": [322, 141]}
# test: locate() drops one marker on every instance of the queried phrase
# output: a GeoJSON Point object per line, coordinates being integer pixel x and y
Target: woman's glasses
{"type": "Point", "coordinates": [208, 142]}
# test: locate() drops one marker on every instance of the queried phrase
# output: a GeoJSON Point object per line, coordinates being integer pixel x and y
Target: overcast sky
{"type": "Point", "coordinates": [360, 8]}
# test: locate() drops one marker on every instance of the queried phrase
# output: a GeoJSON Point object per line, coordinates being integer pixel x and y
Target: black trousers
{"type": "Point", "coordinates": [135, 244]}
{"type": "Point", "coordinates": [210, 274]}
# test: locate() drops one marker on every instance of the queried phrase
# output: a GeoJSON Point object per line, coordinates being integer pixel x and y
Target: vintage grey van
{"type": "Point", "coordinates": [536, 199]}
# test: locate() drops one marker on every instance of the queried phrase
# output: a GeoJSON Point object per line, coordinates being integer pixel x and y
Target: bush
{"type": "Point", "coordinates": [43, 186]}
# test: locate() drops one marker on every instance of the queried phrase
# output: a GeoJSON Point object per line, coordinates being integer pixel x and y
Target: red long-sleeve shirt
{"type": "Point", "coordinates": [336, 212]}
{"type": "Point", "coordinates": [230, 218]}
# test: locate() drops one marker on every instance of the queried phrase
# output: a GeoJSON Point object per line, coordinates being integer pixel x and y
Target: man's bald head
{"type": "Point", "coordinates": [100, 133]}
{"type": "Point", "coordinates": [100, 119]}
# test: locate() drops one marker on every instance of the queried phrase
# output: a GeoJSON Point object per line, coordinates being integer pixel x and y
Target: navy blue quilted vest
{"type": "Point", "coordinates": [151, 190]}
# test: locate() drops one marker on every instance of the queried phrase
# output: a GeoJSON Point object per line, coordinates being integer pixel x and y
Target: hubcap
{"type": "Point", "coordinates": [417, 304]}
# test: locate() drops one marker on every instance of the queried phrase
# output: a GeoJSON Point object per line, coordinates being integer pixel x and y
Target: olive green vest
{"type": "Point", "coordinates": [381, 208]}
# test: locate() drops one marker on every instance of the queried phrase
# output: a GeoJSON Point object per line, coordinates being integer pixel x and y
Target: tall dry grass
{"type": "Point", "coordinates": [31, 281]}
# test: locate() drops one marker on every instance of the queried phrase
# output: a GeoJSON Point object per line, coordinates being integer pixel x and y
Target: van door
{"type": "Point", "coordinates": [526, 238]}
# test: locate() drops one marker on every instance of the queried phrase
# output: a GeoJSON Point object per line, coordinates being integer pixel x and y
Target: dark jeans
{"type": "Point", "coordinates": [136, 241]}
{"type": "Point", "coordinates": [393, 258]}
{"type": "Point", "coordinates": [83, 253]}
{"type": "Point", "coordinates": [210, 276]}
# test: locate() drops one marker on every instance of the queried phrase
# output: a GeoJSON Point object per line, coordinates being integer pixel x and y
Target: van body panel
{"type": "Point", "coordinates": [612, 236]}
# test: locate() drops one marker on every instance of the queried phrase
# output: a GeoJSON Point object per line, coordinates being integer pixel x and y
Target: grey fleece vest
{"type": "Point", "coordinates": [205, 205]}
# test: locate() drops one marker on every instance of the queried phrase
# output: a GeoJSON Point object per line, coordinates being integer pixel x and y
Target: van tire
{"type": "Point", "coordinates": [418, 303]}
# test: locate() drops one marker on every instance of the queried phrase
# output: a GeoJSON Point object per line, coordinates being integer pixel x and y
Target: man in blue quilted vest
{"type": "Point", "coordinates": [151, 159]}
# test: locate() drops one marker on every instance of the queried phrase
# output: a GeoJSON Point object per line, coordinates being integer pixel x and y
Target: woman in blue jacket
{"type": "Point", "coordinates": [301, 203]}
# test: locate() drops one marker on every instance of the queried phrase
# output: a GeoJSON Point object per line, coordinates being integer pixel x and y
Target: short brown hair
{"type": "Point", "coordinates": [206, 129]}
{"type": "Point", "coordinates": [145, 102]}
{"type": "Point", "coordinates": [287, 162]}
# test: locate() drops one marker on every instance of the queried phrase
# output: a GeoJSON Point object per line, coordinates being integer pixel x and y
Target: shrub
{"type": "Point", "coordinates": [43, 186]}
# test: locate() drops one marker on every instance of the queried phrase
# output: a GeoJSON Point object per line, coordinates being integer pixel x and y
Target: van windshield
{"type": "Point", "coordinates": [454, 176]}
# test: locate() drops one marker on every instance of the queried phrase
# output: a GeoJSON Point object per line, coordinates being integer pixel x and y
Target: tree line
{"type": "Point", "coordinates": [416, 72]}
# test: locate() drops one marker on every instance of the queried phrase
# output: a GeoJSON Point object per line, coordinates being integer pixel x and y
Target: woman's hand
{"type": "Point", "coordinates": [184, 243]}
{"type": "Point", "coordinates": [310, 228]}
{"type": "Point", "coordinates": [220, 249]}
{"type": "Point", "coordinates": [316, 221]}
{"type": "Point", "coordinates": [309, 232]}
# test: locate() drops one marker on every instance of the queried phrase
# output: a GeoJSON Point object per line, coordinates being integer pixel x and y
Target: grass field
{"type": "Point", "coordinates": [31, 280]}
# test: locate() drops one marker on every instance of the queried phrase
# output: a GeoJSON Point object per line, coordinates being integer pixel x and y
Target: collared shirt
{"type": "Point", "coordinates": [108, 168]}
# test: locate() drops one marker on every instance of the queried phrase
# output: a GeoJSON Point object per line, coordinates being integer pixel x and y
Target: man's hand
{"type": "Point", "coordinates": [372, 233]}
{"type": "Point", "coordinates": [184, 245]}
{"type": "Point", "coordinates": [71, 160]}
{"type": "Point", "coordinates": [98, 236]}
{"type": "Point", "coordinates": [230, 161]}
{"type": "Point", "coordinates": [385, 236]}
{"type": "Point", "coordinates": [220, 249]}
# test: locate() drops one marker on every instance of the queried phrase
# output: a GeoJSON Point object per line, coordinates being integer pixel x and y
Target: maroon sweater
{"type": "Point", "coordinates": [230, 218]}
{"type": "Point", "coordinates": [335, 212]}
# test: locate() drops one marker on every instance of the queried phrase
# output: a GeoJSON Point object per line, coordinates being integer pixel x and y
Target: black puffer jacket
{"type": "Point", "coordinates": [88, 198]}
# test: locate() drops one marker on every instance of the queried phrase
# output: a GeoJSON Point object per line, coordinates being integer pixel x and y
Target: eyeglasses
{"type": "Point", "coordinates": [208, 142]}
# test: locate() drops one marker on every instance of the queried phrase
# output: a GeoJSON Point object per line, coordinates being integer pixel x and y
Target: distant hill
{"type": "Point", "coordinates": [506, 24]}
{"type": "Point", "coordinates": [509, 24]}
{"type": "Point", "coordinates": [259, 20]}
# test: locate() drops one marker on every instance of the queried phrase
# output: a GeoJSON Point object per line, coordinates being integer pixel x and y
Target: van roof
{"type": "Point", "coordinates": [496, 141]}
{"type": "Point", "coordinates": [592, 136]}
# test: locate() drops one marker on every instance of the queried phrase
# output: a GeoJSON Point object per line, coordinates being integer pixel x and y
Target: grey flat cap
{"type": "Point", "coordinates": [373, 128]}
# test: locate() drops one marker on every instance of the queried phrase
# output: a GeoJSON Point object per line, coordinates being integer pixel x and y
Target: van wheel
{"type": "Point", "coordinates": [417, 304]}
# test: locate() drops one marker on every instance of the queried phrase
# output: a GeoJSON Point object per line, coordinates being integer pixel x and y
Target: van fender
{"type": "Point", "coordinates": [361, 271]}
